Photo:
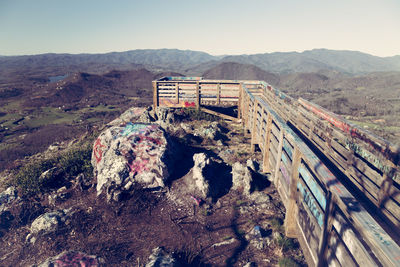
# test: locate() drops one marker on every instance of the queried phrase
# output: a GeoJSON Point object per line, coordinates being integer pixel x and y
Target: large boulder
{"type": "Point", "coordinates": [131, 153]}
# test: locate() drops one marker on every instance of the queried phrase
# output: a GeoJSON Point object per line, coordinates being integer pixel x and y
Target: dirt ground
{"type": "Point", "coordinates": [214, 233]}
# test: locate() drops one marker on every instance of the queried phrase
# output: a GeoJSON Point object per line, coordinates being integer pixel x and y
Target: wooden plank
{"type": "Point", "coordinates": [331, 259]}
{"type": "Point", "coordinates": [311, 203]}
{"type": "Point", "coordinates": [309, 229]}
{"type": "Point", "coordinates": [218, 94]}
{"type": "Point", "coordinates": [292, 210]}
{"type": "Point", "coordinates": [279, 155]}
{"type": "Point", "coordinates": [224, 116]}
{"type": "Point", "coordinates": [198, 96]}
{"type": "Point", "coordinates": [266, 152]}
{"type": "Point", "coordinates": [254, 140]}
{"type": "Point", "coordinates": [313, 185]}
{"type": "Point", "coordinates": [352, 241]}
{"type": "Point", "coordinates": [177, 93]}
{"type": "Point", "coordinates": [337, 247]}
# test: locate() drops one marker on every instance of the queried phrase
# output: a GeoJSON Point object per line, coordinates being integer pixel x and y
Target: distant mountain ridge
{"type": "Point", "coordinates": [195, 63]}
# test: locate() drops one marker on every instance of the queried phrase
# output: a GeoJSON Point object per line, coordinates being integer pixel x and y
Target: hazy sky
{"type": "Point", "coordinates": [214, 26]}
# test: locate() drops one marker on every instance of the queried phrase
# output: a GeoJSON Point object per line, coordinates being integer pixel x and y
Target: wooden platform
{"type": "Point", "coordinates": [339, 183]}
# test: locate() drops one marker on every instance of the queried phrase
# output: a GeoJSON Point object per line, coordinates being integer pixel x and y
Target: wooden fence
{"type": "Point", "coordinates": [339, 183]}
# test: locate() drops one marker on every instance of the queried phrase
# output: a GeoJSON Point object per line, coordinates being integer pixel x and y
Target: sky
{"type": "Point", "coordinates": [218, 27]}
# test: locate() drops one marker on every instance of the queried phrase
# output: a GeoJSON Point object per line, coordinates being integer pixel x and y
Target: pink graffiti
{"type": "Point", "coordinates": [150, 139]}
{"type": "Point", "coordinates": [138, 166]}
{"type": "Point", "coordinates": [197, 200]}
{"type": "Point", "coordinates": [75, 259]}
{"type": "Point", "coordinates": [337, 122]}
{"type": "Point", "coordinates": [189, 104]}
{"type": "Point", "coordinates": [97, 150]}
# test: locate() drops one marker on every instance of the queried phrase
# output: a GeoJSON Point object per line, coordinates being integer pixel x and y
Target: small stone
{"type": "Point", "coordinates": [7, 197]}
{"type": "Point", "coordinates": [62, 189]}
{"type": "Point", "coordinates": [160, 258]}
{"type": "Point", "coordinates": [48, 223]}
{"type": "Point", "coordinates": [258, 243]}
{"type": "Point", "coordinates": [252, 165]}
{"type": "Point", "coordinates": [128, 185]}
{"type": "Point", "coordinates": [276, 235]}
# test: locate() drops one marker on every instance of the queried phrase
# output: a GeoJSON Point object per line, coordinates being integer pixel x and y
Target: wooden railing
{"type": "Point", "coordinates": [320, 164]}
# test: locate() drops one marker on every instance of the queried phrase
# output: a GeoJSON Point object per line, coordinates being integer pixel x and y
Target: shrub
{"type": "Point", "coordinates": [27, 179]}
{"type": "Point", "coordinates": [70, 163]}
{"type": "Point", "coordinates": [287, 262]}
{"type": "Point", "coordinates": [276, 224]}
{"type": "Point", "coordinates": [77, 161]}
{"type": "Point", "coordinates": [286, 243]}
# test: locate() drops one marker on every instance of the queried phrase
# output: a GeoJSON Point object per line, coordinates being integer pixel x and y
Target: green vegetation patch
{"type": "Point", "coordinates": [287, 262]}
{"type": "Point", "coordinates": [30, 181]}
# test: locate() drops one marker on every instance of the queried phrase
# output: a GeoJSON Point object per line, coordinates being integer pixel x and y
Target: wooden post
{"type": "Point", "coordinates": [278, 156]}
{"type": "Point", "coordinates": [197, 95]}
{"type": "Point", "coordinates": [292, 209]}
{"type": "Point", "coordinates": [245, 112]}
{"type": "Point", "coordinates": [254, 140]}
{"type": "Point", "coordinates": [177, 93]}
{"type": "Point", "coordinates": [385, 187]}
{"type": "Point", "coordinates": [326, 228]}
{"type": "Point", "coordinates": [265, 165]}
{"type": "Point", "coordinates": [218, 93]}
{"type": "Point", "coordinates": [155, 95]}
{"type": "Point", "coordinates": [239, 115]}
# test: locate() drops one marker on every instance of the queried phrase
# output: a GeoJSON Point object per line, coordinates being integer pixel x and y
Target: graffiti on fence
{"type": "Point", "coordinates": [311, 203]}
{"type": "Point", "coordinates": [285, 173]}
{"type": "Point", "coordinates": [312, 184]}
{"type": "Point", "coordinates": [172, 103]}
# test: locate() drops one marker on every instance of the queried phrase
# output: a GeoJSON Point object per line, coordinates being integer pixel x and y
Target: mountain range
{"type": "Point", "coordinates": [195, 63]}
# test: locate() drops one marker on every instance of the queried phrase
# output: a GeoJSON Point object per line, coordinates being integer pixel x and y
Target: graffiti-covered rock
{"type": "Point", "coordinates": [72, 258]}
{"type": "Point", "coordinates": [131, 115]}
{"type": "Point", "coordinates": [131, 153]}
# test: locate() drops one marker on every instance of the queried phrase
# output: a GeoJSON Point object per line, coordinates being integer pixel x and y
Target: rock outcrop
{"type": "Point", "coordinates": [131, 153]}
{"type": "Point", "coordinates": [210, 178]}
{"type": "Point", "coordinates": [241, 178]}
{"type": "Point", "coordinates": [201, 162]}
